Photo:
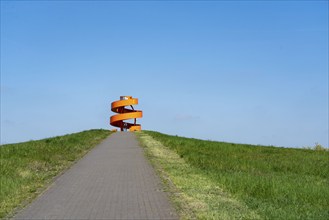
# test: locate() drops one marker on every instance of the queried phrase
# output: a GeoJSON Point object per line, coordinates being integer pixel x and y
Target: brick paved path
{"type": "Point", "coordinates": [113, 181]}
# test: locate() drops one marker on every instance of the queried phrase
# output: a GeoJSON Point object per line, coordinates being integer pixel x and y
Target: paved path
{"type": "Point", "coordinates": [113, 181]}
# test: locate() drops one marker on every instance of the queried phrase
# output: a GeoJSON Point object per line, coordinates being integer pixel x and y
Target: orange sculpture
{"type": "Point", "coordinates": [125, 114]}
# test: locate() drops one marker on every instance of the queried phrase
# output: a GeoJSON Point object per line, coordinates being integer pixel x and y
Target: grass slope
{"type": "Point", "coordinates": [27, 167]}
{"type": "Point", "coordinates": [216, 180]}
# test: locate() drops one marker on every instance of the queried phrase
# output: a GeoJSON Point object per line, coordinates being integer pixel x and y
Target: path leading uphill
{"type": "Point", "coordinates": [113, 181]}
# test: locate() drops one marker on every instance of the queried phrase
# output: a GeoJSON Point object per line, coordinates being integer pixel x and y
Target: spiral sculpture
{"type": "Point", "coordinates": [125, 114]}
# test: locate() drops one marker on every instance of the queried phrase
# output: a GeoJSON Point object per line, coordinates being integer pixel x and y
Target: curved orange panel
{"type": "Point", "coordinates": [125, 114]}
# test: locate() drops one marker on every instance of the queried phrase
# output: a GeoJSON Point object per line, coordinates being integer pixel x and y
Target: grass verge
{"type": "Point", "coordinates": [216, 180]}
{"type": "Point", "coordinates": [194, 194]}
{"type": "Point", "coordinates": [28, 167]}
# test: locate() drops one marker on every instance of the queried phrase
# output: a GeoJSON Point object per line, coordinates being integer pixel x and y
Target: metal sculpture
{"type": "Point", "coordinates": [118, 120]}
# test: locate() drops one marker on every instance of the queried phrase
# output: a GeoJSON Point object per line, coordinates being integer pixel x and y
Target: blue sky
{"type": "Point", "coordinates": [247, 72]}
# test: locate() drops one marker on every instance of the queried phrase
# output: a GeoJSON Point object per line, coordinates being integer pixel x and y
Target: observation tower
{"type": "Point", "coordinates": [124, 113]}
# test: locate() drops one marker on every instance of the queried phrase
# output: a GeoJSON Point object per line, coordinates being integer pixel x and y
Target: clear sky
{"type": "Point", "coordinates": [246, 72]}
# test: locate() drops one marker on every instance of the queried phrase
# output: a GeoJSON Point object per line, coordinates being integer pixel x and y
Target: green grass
{"type": "Point", "coordinates": [28, 167]}
{"type": "Point", "coordinates": [241, 181]}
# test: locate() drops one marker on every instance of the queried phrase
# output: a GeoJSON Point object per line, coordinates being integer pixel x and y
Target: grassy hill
{"type": "Point", "coordinates": [27, 167]}
{"type": "Point", "coordinates": [207, 179]}
{"type": "Point", "coordinates": [217, 180]}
